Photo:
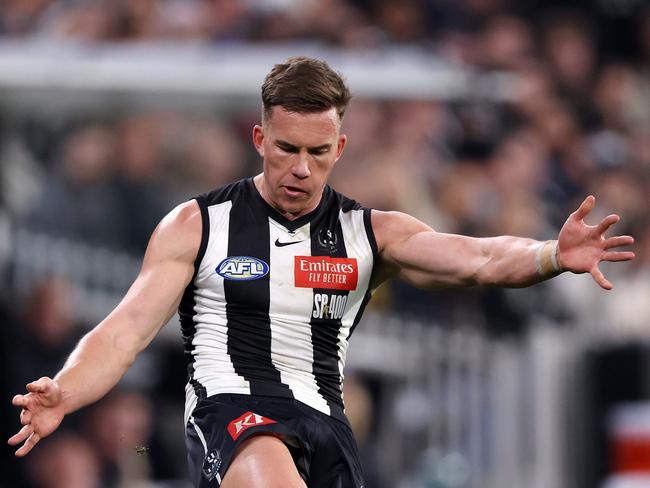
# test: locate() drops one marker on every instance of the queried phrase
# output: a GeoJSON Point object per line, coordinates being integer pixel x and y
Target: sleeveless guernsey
{"type": "Point", "coordinates": [273, 302]}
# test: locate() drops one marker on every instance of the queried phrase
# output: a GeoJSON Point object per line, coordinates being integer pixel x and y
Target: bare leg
{"type": "Point", "coordinates": [263, 461]}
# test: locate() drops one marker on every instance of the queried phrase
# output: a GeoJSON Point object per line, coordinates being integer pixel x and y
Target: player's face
{"type": "Point", "coordinates": [299, 152]}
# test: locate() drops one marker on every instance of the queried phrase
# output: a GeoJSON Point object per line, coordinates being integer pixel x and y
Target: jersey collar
{"type": "Point", "coordinates": [290, 225]}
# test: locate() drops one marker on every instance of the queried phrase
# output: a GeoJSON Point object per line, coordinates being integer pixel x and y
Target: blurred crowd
{"type": "Point", "coordinates": [459, 27]}
{"type": "Point", "coordinates": [577, 123]}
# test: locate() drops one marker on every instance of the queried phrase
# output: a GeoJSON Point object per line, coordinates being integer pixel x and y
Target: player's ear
{"type": "Point", "coordinates": [341, 145]}
{"type": "Point", "coordinates": [258, 139]}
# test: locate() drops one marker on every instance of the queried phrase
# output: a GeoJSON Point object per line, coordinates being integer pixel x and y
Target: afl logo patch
{"type": "Point", "coordinates": [242, 268]}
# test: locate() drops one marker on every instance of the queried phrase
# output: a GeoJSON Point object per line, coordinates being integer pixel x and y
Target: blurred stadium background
{"type": "Point", "coordinates": [482, 117]}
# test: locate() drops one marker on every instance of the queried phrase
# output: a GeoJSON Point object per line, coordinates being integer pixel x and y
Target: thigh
{"type": "Point", "coordinates": [262, 461]}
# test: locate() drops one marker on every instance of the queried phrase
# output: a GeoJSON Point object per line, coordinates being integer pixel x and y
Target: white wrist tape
{"type": "Point", "coordinates": [546, 259]}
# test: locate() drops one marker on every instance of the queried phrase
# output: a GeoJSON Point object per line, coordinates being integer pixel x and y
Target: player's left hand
{"type": "Point", "coordinates": [41, 414]}
{"type": "Point", "coordinates": [582, 247]}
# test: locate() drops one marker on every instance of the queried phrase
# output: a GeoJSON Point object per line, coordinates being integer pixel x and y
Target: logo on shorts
{"type": "Point", "coordinates": [246, 421]}
{"type": "Point", "coordinates": [211, 464]}
{"type": "Point", "coordinates": [326, 272]}
{"type": "Point", "coordinates": [242, 268]}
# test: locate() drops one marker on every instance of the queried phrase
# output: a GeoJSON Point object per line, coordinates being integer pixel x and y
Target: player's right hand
{"type": "Point", "coordinates": [42, 412]}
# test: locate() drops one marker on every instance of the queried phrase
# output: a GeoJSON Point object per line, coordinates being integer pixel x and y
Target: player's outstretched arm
{"type": "Point", "coordinates": [104, 354]}
{"type": "Point", "coordinates": [428, 259]}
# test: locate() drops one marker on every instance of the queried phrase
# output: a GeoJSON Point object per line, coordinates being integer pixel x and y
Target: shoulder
{"type": "Point", "coordinates": [184, 217]}
{"type": "Point", "coordinates": [224, 193]}
{"type": "Point", "coordinates": [178, 235]}
{"type": "Point", "coordinates": [394, 227]}
{"type": "Point", "coordinates": [342, 202]}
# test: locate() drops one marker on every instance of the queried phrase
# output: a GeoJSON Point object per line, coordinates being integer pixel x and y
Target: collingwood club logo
{"type": "Point", "coordinates": [211, 465]}
{"type": "Point", "coordinates": [327, 238]}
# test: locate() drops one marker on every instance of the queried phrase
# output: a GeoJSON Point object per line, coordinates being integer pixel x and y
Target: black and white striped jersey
{"type": "Point", "coordinates": [273, 301]}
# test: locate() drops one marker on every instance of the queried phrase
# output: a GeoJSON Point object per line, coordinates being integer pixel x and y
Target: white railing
{"type": "Point", "coordinates": [223, 71]}
{"type": "Point", "coordinates": [463, 410]}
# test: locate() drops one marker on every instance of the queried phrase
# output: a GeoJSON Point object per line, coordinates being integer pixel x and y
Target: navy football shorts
{"type": "Point", "coordinates": [323, 448]}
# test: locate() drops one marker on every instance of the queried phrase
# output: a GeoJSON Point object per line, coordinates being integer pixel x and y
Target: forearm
{"type": "Point", "coordinates": [428, 259]}
{"type": "Point", "coordinates": [516, 262]}
{"type": "Point", "coordinates": [431, 260]}
{"type": "Point", "coordinates": [94, 368]}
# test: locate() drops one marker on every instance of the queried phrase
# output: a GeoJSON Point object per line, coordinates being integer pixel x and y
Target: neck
{"type": "Point", "coordinates": [287, 214]}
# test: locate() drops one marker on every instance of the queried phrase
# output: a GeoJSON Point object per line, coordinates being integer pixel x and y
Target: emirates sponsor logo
{"type": "Point", "coordinates": [246, 421]}
{"type": "Point", "coordinates": [326, 272]}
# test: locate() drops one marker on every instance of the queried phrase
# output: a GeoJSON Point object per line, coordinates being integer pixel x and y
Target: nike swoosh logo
{"type": "Point", "coordinates": [282, 244]}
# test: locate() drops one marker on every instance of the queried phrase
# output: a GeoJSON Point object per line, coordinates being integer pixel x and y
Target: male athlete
{"type": "Point", "coordinates": [270, 276]}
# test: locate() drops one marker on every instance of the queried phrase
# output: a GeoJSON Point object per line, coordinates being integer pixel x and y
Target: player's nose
{"type": "Point", "coordinates": [300, 168]}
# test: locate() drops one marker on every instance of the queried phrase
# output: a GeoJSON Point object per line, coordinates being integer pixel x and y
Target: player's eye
{"type": "Point", "coordinates": [288, 149]}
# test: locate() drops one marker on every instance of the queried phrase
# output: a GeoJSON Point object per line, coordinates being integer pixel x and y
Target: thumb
{"type": "Point", "coordinates": [585, 207]}
{"type": "Point", "coordinates": [42, 385]}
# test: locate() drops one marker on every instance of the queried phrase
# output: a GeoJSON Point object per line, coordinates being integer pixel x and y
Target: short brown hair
{"type": "Point", "coordinates": [304, 85]}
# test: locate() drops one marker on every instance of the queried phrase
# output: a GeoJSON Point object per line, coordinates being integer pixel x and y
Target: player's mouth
{"type": "Point", "coordinates": [293, 191]}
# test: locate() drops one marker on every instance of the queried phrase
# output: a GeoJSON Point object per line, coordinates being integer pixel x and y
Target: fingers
{"type": "Point", "coordinates": [29, 444]}
{"type": "Point", "coordinates": [607, 222]}
{"type": "Point", "coordinates": [25, 417]}
{"type": "Point", "coordinates": [618, 256]}
{"type": "Point", "coordinates": [585, 207]}
{"type": "Point", "coordinates": [20, 401]}
{"type": "Point", "coordinates": [618, 241]}
{"type": "Point", "coordinates": [599, 277]}
{"type": "Point", "coordinates": [27, 432]}
{"type": "Point", "coordinates": [22, 434]}
{"type": "Point", "coordinates": [42, 385]}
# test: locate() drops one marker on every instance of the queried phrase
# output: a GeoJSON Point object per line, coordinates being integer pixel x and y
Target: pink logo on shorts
{"type": "Point", "coordinates": [247, 420]}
